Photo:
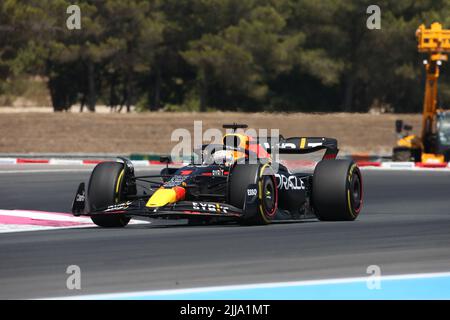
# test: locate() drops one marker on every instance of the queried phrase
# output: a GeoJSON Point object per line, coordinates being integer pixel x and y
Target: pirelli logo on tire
{"type": "Point", "coordinates": [350, 172]}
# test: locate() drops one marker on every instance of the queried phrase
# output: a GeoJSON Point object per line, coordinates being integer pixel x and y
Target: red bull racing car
{"type": "Point", "coordinates": [237, 180]}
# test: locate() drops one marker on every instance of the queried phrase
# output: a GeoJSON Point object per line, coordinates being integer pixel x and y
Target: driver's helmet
{"type": "Point", "coordinates": [223, 157]}
{"type": "Point", "coordinates": [236, 140]}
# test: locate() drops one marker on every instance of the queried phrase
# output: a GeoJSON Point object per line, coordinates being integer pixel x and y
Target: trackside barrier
{"type": "Point", "coordinates": [8, 160]}
{"type": "Point", "coordinates": [145, 163]}
{"type": "Point", "coordinates": [368, 164]}
{"type": "Point", "coordinates": [405, 165]}
{"type": "Point", "coordinates": [26, 160]}
{"type": "Point", "coordinates": [57, 161]}
{"type": "Point", "coordinates": [433, 165]}
{"type": "Point", "coordinates": [66, 161]}
{"type": "Point", "coordinates": [399, 165]}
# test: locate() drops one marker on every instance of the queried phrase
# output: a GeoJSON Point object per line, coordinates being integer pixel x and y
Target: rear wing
{"type": "Point", "coordinates": [302, 145]}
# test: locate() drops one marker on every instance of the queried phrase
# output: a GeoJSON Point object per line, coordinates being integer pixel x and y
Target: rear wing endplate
{"type": "Point", "coordinates": [303, 145]}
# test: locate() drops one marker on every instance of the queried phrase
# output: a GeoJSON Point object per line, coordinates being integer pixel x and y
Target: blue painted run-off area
{"type": "Point", "coordinates": [410, 288]}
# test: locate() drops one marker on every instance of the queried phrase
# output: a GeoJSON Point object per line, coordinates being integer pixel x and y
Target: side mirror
{"type": "Point", "coordinates": [398, 126]}
{"type": "Point", "coordinates": [407, 127]}
{"type": "Point", "coordinates": [165, 159]}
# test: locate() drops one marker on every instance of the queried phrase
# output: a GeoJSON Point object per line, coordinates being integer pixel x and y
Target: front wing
{"type": "Point", "coordinates": [182, 209]}
{"type": "Point", "coordinates": [178, 210]}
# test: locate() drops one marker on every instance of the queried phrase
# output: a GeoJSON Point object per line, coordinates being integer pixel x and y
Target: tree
{"type": "Point", "coordinates": [288, 55]}
{"type": "Point", "coordinates": [244, 57]}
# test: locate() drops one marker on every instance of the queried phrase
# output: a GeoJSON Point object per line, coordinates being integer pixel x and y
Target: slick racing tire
{"type": "Point", "coordinates": [337, 193]}
{"type": "Point", "coordinates": [105, 188]}
{"type": "Point", "coordinates": [263, 176]}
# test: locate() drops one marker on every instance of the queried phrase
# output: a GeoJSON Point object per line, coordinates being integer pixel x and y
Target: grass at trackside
{"type": "Point", "coordinates": [151, 132]}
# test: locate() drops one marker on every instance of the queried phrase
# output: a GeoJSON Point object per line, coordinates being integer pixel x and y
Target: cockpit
{"type": "Point", "coordinates": [443, 128]}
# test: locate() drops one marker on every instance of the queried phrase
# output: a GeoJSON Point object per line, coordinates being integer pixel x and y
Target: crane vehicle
{"type": "Point", "coordinates": [433, 146]}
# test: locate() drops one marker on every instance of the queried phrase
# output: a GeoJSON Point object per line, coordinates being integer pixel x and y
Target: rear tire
{"type": "Point", "coordinates": [105, 189]}
{"type": "Point", "coordinates": [262, 175]}
{"type": "Point", "coordinates": [337, 193]}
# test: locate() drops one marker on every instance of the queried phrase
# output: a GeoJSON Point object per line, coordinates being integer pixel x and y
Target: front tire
{"type": "Point", "coordinates": [105, 189]}
{"type": "Point", "coordinates": [263, 176]}
{"type": "Point", "coordinates": [337, 193]}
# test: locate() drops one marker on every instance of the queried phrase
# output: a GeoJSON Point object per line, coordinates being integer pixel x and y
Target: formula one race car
{"type": "Point", "coordinates": [227, 186]}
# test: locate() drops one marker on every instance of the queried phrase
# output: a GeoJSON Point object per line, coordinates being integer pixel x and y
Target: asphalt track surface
{"type": "Point", "coordinates": [404, 228]}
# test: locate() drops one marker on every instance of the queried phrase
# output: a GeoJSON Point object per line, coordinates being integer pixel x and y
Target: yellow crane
{"type": "Point", "coordinates": [433, 146]}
